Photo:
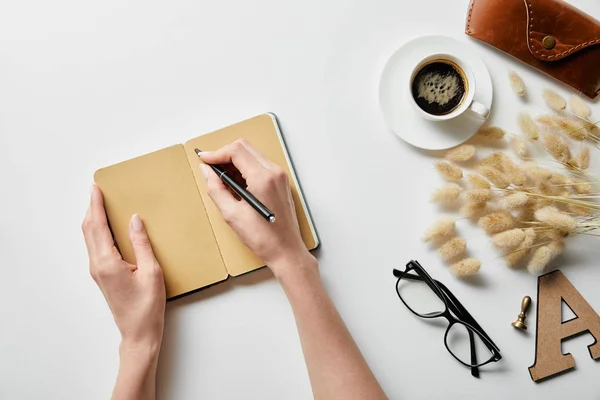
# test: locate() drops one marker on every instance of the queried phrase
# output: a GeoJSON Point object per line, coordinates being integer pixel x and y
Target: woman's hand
{"type": "Point", "coordinates": [134, 293]}
{"type": "Point", "coordinates": [335, 365]}
{"type": "Point", "coordinates": [278, 244]}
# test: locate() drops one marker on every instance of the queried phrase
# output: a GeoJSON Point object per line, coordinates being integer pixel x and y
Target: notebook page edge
{"type": "Point", "coordinates": [296, 181]}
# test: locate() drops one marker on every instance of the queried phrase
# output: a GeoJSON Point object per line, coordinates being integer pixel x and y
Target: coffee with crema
{"type": "Point", "coordinates": [439, 87]}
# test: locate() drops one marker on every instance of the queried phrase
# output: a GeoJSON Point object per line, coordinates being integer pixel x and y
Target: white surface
{"type": "Point", "coordinates": [87, 84]}
{"type": "Point", "coordinates": [404, 116]}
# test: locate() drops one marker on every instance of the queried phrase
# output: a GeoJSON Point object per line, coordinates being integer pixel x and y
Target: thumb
{"type": "Point", "coordinates": [142, 249]}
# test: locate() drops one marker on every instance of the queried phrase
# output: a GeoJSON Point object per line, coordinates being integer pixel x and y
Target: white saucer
{"type": "Point", "coordinates": [394, 95]}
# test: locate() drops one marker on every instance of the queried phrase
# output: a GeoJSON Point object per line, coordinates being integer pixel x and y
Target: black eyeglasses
{"type": "Point", "coordinates": [428, 298]}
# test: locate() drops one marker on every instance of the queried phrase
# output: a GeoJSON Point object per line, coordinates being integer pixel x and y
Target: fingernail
{"type": "Point", "coordinates": [204, 170]}
{"type": "Point", "coordinates": [204, 153]}
{"type": "Point", "coordinates": [136, 223]}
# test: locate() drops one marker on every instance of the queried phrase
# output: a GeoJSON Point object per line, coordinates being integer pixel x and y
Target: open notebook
{"type": "Point", "coordinates": [192, 243]}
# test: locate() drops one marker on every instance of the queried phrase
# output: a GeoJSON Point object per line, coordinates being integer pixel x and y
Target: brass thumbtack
{"type": "Point", "coordinates": [520, 322]}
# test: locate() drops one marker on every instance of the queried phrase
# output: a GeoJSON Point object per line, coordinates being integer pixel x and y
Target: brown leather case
{"type": "Point", "coordinates": [550, 35]}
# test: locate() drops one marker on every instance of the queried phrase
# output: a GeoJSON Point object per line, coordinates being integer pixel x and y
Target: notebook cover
{"type": "Point", "coordinates": [264, 134]}
{"type": "Point", "coordinates": [160, 187]}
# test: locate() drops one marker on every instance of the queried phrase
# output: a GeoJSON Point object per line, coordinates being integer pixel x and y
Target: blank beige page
{"type": "Point", "coordinates": [160, 187]}
{"type": "Point", "coordinates": [261, 132]}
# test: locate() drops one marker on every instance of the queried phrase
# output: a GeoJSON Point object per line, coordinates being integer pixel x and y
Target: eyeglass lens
{"type": "Point", "coordinates": [420, 298]}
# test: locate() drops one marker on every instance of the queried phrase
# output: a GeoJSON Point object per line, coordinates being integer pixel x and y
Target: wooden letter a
{"type": "Point", "coordinates": [553, 288]}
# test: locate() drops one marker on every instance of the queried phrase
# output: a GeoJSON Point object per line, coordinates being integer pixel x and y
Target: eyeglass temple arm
{"type": "Point", "coordinates": [474, 368]}
{"type": "Point", "coordinates": [454, 303]}
{"type": "Point", "coordinates": [461, 313]}
{"type": "Point", "coordinates": [469, 318]}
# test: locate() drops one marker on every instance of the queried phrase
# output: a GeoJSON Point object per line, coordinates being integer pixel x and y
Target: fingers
{"type": "Point", "coordinates": [98, 238]}
{"type": "Point", "coordinates": [265, 162]}
{"type": "Point", "coordinates": [142, 249]}
{"type": "Point", "coordinates": [236, 153]}
{"type": "Point", "coordinates": [219, 193]}
{"type": "Point", "coordinates": [228, 206]}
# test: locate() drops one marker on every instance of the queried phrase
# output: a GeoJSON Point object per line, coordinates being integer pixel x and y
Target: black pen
{"type": "Point", "coordinates": [243, 193]}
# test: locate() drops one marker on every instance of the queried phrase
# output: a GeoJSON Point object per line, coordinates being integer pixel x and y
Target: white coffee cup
{"type": "Point", "coordinates": [468, 102]}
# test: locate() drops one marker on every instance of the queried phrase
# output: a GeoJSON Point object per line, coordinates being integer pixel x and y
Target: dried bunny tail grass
{"type": "Point", "coordinates": [448, 171]}
{"type": "Point", "coordinates": [496, 222]}
{"type": "Point", "coordinates": [549, 188]}
{"type": "Point", "coordinates": [513, 258]}
{"type": "Point", "coordinates": [554, 100]}
{"type": "Point", "coordinates": [526, 213]}
{"type": "Point", "coordinates": [446, 194]}
{"type": "Point", "coordinates": [579, 211]}
{"type": "Point", "coordinates": [478, 182]}
{"type": "Point", "coordinates": [509, 239]}
{"type": "Point", "coordinates": [535, 172]}
{"type": "Point", "coordinates": [519, 146]}
{"type": "Point", "coordinates": [555, 121]}
{"type": "Point", "coordinates": [582, 187]}
{"type": "Point", "coordinates": [559, 179]}
{"type": "Point", "coordinates": [549, 120]}
{"type": "Point", "coordinates": [556, 247]}
{"type": "Point", "coordinates": [466, 267]}
{"type": "Point", "coordinates": [573, 163]}
{"type": "Point", "coordinates": [570, 127]}
{"type": "Point", "coordinates": [579, 107]}
{"type": "Point", "coordinates": [478, 195]}
{"type": "Point", "coordinates": [443, 227]}
{"type": "Point", "coordinates": [461, 153]}
{"type": "Point", "coordinates": [470, 208]}
{"type": "Point", "coordinates": [553, 234]}
{"type": "Point", "coordinates": [452, 248]}
{"type": "Point", "coordinates": [514, 201]}
{"type": "Point", "coordinates": [553, 218]}
{"type": "Point", "coordinates": [578, 134]}
{"type": "Point", "coordinates": [557, 147]}
{"type": "Point", "coordinates": [593, 130]}
{"type": "Point", "coordinates": [541, 257]}
{"type": "Point", "coordinates": [528, 126]}
{"type": "Point", "coordinates": [573, 129]}
{"type": "Point", "coordinates": [541, 203]}
{"type": "Point", "coordinates": [514, 174]}
{"type": "Point", "coordinates": [493, 160]}
{"type": "Point", "coordinates": [493, 175]}
{"type": "Point", "coordinates": [583, 159]}
{"type": "Point", "coordinates": [560, 191]}
{"type": "Point", "coordinates": [491, 133]}
{"type": "Point", "coordinates": [517, 84]}
{"type": "Point", "coordinates": [544, 188]}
